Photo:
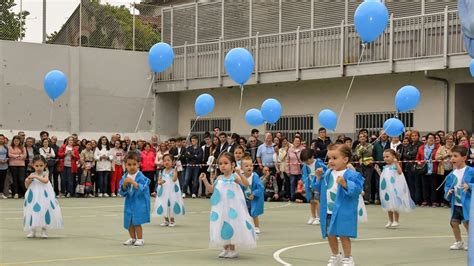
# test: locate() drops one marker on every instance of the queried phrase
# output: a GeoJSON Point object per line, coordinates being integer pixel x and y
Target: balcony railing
{"type": "Point", "coordinates": [407, 38]}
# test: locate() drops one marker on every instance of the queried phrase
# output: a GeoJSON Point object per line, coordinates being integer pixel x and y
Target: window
{"type": "Point", "coordinates": [373, 122]}
{"type": "Point", "coordinates": [289, 125]}
{"type": "Point", "coordinates": [207, 125]}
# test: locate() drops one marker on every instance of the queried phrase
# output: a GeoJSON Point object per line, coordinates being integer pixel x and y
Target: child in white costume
{"type": "Point", "coordinates": [169, 201]}
{"type": "Point", "coordinates": [41, 209]}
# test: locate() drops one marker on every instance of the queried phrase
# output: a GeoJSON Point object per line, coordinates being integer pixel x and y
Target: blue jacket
{"type": "Point", "coordinates": [344, 214]}
{"type": "Point", "coordinates": [310, 183]}
{"type": "Point", "coordinates": [465, 196]}
{"type": "Point", "coordinates": [256, 205]}
{"type": "Point", "coordinates": [137, 201]}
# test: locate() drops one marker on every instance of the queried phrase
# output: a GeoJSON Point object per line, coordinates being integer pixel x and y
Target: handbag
{"type": "Point", "coordinates": [80, 189]}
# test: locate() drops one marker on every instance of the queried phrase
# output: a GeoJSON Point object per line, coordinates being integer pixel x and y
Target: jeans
{"type": "Point", "coordinates": [66, 181]}
{"type": "Point", "coordinates": [293, 183]}
{"type": "Point", "coordinates": [18, 176]}
{"type": "Point", "coordinates": [182, 179]}
{"type": "Point", "coordinates": [429, 188]}
{"type": "Point", "coordinates": [102, 181]}
{"type": "Point", "coordinates": [151, 176]}
{"type": "Point", "coordinates": [286, 185]}
{"type": "Point", "coordinates": [3, 175]}
{"type": "Point", "coordinates": [410, 177]}
{"type": "Point", "coordinates": [368, 173]}
{"type": "Point", "coordinates": [192, 175]}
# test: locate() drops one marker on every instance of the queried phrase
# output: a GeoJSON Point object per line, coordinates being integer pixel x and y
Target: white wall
{"type": "Point", "coordinates": [106, 89]}
{"type": "Point", "coordinates": [369, 94]}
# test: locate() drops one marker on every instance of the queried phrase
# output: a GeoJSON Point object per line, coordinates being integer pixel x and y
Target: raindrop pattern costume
{"type": "Point", "coordinates": [168, 197]}
{"type": "Point", "coordinates": [394, 193]}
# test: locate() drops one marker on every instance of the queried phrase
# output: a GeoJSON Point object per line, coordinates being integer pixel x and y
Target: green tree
{"type": "Point", "coordinates": [10, 22]}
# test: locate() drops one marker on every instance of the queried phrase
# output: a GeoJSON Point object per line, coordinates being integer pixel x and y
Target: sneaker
{"type": "Point", "coordinates": [257, 230]}
{"type": "Point", "coordinates": [311, 220]}
{"type": "Point", "coordinates": [68, 195]}
{"type": "Point", "coordinates": [232, 254]}
{"type": "Point", "coordinates": [44, 234]}
{"type": "Point", "coordinates": [163, 224]}
{"type": "Point", "coordinates": [395, 225]}
{"type": "Point", "coordinates": [61, 196]}
{"type": "Point", "coordinates": [31, 234]}
{"type": "Point", "coordinates": [465, 248]}
{"type": "Point", "coordinates": [91, 195]}
{"type": "Point", "coordinates": [193, 196]}
{"type": "Point", "coordinates": [113, 195]}
{"type": "Point", "coordinates": [388, 225]}
{"type": "Point", "coordinates": [348, 261]}
{"type": "Point", "coordinates": [100, 195]}
{"type": "Point", "coordinates": [106, 195]}
{"type": "Point", "coordinates": [3, 196]}
{"type": "Point", "coordinates": [139, 243]}
{"type": "Point", "coordinates": [316, 221]}
{"type": "Point", "coordinates": [172, 224]}
{"type": "Point", "coordinates": [129, 242]}
{"type": "Point", "coordinates": [184, 195]}
{"type": "Point", "coordinates": [335, 260]}
{"type": "Point", "coordinates": [459, 245]}
{"type": "Point", "coordinates": [223, 254]}
{"type": "Point", "coordinates": [16, 196]}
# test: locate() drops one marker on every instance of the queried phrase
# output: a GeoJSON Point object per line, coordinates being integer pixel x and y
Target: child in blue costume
{"type": "Point", "coordinates": [339, 189]}
{"type": "Point", "coordinates": [457, 188]}
{"type": "Point", "coordinates": [309, 168]}
{"type": "Point", "coordinates": [230, 224]}
{"type": "Point", "coordinates": [134, 186]}
{"type": "Point", "coordinates": [255, 197]}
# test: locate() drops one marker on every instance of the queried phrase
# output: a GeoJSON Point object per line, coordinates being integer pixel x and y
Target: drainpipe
{"type": "Point", "coordinates": [446, 97]}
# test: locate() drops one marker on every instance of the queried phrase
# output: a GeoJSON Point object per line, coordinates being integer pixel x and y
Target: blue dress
{"type": "Point", "coordinates": [230, 222]}
{"type": "Point", "coordinates": [345, 211]}
{"type": "Point", "coordinates": [451, 181]}
{"type": "Point", "coordinates": [257, 189]}
{"type": "Point", "coordinates": [137, 201]}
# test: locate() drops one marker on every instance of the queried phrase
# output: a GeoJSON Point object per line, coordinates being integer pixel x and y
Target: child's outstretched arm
{"type": "Point", "coordinates": [352, 187]}
{"type": "Point", "coordinates": [240, 179]}
{"type": "Point", "coordinates": [399, 168]}
{"type": "Point", "coordinates": [175, 175]}
{"type": "Point", "coordinates": [209, 187]}
{"type": "Point", "coordinates": [142, 185]}
{"type": "Point", "coordinates": [42, 179]}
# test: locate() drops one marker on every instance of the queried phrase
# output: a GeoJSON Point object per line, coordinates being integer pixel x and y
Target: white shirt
{"type": "Point", "coordinates": [250, 179]}
{"type": "Point", "coordinates": [312, 170]}
{"type": "Point", "coordinates": [458, 187]}
{"type": "Point", "coordinates": [103, 165]}
{"type": "Point", "coordinates": [331, 192]}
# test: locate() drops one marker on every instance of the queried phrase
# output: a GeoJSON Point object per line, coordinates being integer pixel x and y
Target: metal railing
{"type": "Point", "coordinates": [431, 35]}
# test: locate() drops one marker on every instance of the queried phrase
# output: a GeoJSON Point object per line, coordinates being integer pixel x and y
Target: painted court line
{"type": "Point", "coordinates": [277, 254]}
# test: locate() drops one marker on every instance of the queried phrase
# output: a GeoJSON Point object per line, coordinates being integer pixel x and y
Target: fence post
{"type": "Point", "coordinates": [133, 28]}
{"type": "Point", "coordinates": [250, 17]}
{"type": "Point", "coordinates": [341, 51]}
{"type": "Point", "coordinates": [257, 78]}
{"type": "Point", "coordinates": [312, 62]}
{"type": "Point", "coordinates": [390, 51]}
{"type": "Point", "coordinates": [80, 23]}
{"type": "Point", "coordinates": [219, 65]}
{"type": "Point", "coordinates": [196, 39]}
{"type": "Point", "coordinates": [185, 63]}
{"type": "Point", "coordinates": [222, 19]}
{"type": "Point", "coordinates": [297, 59]}
{"type": "Point", "coordinates": [445, 39]}
{"type": "Point", "coordinates": [172, 25]}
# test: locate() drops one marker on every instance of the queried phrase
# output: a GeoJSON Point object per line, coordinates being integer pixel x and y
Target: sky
{"type": "Point", "coordinates": [57, 12]}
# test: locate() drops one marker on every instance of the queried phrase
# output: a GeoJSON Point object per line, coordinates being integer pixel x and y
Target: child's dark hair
{"type": "Point", "coordinates": [393, 153]}
{"type": "Point", "coordinates": [462, 150]}
{"type": "Point", "coordinates": [306, 154]}
{"type": "Point", "coordinates": [347, 139]}
{"type": "Point", "coordinates": [195, 137]}
{"type": "Point", "coordinates": [229, 156]}
{"type": "Point", "coordinates": [168, 156]}
{"type": "Point", "coordinates": [239, 148]}
{"type": "Point", "coordinates": [132, 156]}
{"type": "Point", "coordinates": [38, 158]}
{"type": "Point", "coordinates": [342, 148]}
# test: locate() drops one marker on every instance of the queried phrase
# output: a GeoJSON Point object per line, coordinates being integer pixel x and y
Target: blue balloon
{"type": "Point", "coordinates": [471, 68]}
{"type": "Point", "coordinates": [407, 98]}
{"type": "Point", "coordinates": [370, 19]}
{"type": "Point", "coordinates": [204, 104]}
{"type": "Point", "coordinates": [393, 127]}
{"type": "Point", "coordinates": [328, 119]}
{"type": "Point", "coordinates": [160, 57]}
{"type": "Point", "coordinates": [239, 65]}
{"type": "Point", "coordinates": [271, 110]}
{"type": "Point", "coordinates": [55, 84]}
{"type": "Point", "coordinates": [254, 117]}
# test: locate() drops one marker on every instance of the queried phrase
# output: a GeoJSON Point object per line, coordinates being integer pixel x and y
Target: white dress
{"type": "Point", "coordinates": [394, 193]}
{"type": "Point", "coordinates": [230, 222]}
{"type": "Point", "coordinates": [168, 197]}
{"type": "Point", "coordinates": [40, 208]}
{"type": "Point", "coordinates": [362, 211]}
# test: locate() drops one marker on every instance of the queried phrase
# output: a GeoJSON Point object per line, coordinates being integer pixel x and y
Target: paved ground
{"type": "Point", "coordinates": [94, 234]}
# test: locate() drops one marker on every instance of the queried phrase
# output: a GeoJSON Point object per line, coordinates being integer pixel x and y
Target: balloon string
{"type": "Point", "coordinates": [144, 103]}
{"type": "Point", "coordinates": [50, 124]}
{"type": "Point", "coordinates": [241, 96]}
{"type": "Point", "coordinates": [350, 86]}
